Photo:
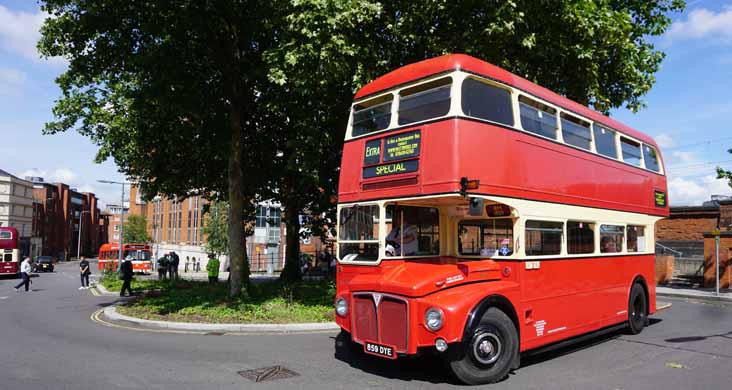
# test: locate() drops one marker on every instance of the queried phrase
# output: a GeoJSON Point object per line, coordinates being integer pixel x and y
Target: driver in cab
{"type": "Point", "coordinates": [402, 240]}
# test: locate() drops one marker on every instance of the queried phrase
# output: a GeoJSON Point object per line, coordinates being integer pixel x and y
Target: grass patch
{"type": "Point", "coordinates": [269, 302]}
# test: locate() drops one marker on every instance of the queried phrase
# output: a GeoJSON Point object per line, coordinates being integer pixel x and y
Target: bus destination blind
{"type": "Point", "coordinates": [391, 169]}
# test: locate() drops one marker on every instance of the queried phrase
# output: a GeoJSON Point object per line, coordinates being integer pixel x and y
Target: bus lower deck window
{"type": "Point", "coordinates": [358, 233]}
{"type": "Point", "coordinates": [580, 237]}
{"type": "Point", "coordinates": [543, 238]}
{"type": "Point", "coordinates": [636, 239]}
{"type": "Point", "coordinates": [611, 238]}
{"type": "Point", "coordinates": [492, 237]}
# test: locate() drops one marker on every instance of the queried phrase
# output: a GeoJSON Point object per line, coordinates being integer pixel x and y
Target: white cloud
{"type": "Point", "coordinates": [665, 141]}
{"type": "Point", "coordinates": [703, 23]}
{"type": "Point", "coordinates": [35, 172]}
{"type": "Point", "coordinates": [20, 31]}
{"type": "Point", "coordinates": [683, 157]}
{"type": "Point", "coordinates": [65, 175]}
{"type": "Point", "coordinates": [11, 81]}
{"type": "Point", "coordinates": [685, 192]}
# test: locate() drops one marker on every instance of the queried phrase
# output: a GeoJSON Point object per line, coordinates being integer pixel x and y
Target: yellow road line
{"type": "Point", "coordinates": [663, 306]}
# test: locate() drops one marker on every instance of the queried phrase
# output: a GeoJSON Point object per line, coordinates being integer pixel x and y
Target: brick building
{"type": "Point", "coordinates": [686, 226]}
{"type": "Point", "coordinates": [177, 225]}
{"type": "Point", "coordinates": [69, 221]}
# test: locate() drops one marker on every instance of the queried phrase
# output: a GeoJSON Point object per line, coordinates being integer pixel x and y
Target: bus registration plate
{"type": "Point", "coordinates": [386, 351]}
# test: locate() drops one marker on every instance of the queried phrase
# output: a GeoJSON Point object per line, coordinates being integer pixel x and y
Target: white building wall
{"type": "Point", "coordinates": [16, 204]}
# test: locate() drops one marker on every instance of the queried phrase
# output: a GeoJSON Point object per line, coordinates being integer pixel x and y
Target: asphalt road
{"type": "Point", "coordinates": [48, 341]}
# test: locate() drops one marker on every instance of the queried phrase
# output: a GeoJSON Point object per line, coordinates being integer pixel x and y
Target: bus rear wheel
{"type": "Point", "coordinates": [637, 309]}
{"type": "Point", "coordinates": [487, 356]}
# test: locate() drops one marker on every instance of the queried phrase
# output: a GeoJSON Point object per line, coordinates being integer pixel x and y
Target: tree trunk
{"type": "Point", "coordinates": [291, 273]}
{"type": "Point", "coordinates": [239, 271]}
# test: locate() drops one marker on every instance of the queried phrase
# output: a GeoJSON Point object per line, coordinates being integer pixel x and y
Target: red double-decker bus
{"type": "Point", "coordinates": [484, 216]}
{"type": "Point", "coordinates": [139, 254]}
{"type": "Point", "coordinates": [9, 251]}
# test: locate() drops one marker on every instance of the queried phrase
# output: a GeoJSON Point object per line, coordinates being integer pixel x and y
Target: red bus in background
{"type": "Point", "coordinates": [484, 216]}
{"type": "Point", "coordinates": [9, 251]}
{"type": "Point", "coordinates": [140, 254]}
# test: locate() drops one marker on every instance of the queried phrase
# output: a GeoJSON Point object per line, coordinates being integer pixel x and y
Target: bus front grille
{"type": "Point", "coordinates": [381, 318]}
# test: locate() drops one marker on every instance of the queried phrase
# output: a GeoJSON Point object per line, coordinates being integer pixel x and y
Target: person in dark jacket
{"type": "Point", "coordinates": [85, 272]}
{"type": "Point", "coordinates": [126, 278]}
{"type": "Point", "coordinates": [173, 266]}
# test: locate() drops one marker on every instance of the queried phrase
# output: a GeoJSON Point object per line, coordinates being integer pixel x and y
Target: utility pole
{"type": "Point", "coordinates": [78, 243]}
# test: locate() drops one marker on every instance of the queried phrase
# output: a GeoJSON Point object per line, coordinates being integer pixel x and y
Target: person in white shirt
{"type": "Point", "coordinates": [25, 271]}
{"type": "Point", "coordinates": [402, 240]}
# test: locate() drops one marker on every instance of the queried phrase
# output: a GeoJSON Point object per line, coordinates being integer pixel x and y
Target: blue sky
{"type": "Point", "coordinates": [688, 110]}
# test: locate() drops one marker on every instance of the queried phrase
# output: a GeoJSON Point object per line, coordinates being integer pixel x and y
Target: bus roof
{"type": "Point", "coordinates": [450, 62]}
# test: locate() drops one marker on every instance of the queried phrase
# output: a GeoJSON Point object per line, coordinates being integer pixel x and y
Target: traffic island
{"type": "Point", "coordinates": [191, 305]}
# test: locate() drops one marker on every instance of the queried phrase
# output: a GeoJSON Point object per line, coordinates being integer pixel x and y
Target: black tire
{"type": "Point", "coordinates": [345, 348]}
{"type": "Point", "coordinates": [488, 354]}
{"type": "Point", "coordinates": [637, 309]}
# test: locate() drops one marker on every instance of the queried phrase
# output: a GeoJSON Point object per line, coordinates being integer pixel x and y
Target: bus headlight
{"type": "Point", "coordinates": [341, 307]}
{"type": "Point", "coordinates": [433, 319]}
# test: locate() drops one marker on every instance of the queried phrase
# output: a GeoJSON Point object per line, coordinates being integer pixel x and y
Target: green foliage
{"type": "Point", "coordinates": [269, 302]}
{"type": "Point", "coordinates": [216, 228]}
{"type": "Point", "coordinates": [725, 174]}
{"type": "Point", "coordinates": [135, 230]}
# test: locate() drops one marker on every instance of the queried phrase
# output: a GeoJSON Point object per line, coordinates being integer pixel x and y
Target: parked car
{"type": "Point", "coordinates": [44, 263]}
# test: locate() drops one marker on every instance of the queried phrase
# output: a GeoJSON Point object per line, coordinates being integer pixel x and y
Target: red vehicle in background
{"type": "Point", "coordinates": [9, 251]}
{"type": "Point", "coordinates": [139, 254]}
{"type": "Point", "coordinates": [484, 216]}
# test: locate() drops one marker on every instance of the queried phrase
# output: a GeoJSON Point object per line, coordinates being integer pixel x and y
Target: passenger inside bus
{"type": "Point", "coordinates": [402, 240]}
{"type": "Point", "coordinates": [413, 231]}
{"type": "Point", "coordinates": [491, 237]}
{"type": "Point", "coordinates": [607, 245]}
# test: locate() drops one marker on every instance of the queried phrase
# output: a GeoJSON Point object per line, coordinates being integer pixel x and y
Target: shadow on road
{"type": "Point", "coordinates": [727, 335]}
{"type": "Point", "coordinates": [431, 368]}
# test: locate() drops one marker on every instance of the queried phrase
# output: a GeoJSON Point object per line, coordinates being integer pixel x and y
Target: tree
{"type": "Point", "coordinates": [147, 79]}
{"type": "Point", "coordinates": [725, 174]}
{"type": "Point", "coordinates": [216, 229]}
{"type": "Point", "coordinates": [135, 229]}
{"type": "Point", "coordinates": [268, 84]}
{"type": "Point", "coordinates": [596, 53]}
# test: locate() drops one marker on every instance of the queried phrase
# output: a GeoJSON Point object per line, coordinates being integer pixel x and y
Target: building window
{"type": "Point", "coordinates": [485, 101]}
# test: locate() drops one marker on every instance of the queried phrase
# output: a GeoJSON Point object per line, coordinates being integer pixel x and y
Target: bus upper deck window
{"type": "Point", "coordinates": [371, 115]}
{"type": "Point", "coordinates": [576, 131]}
{"type": "Point", "coordinates": [425, 101]}
{"type": "Point", "coordinates": [605, 142]}
{"type": "Point", "coordinates": [485, 101]}
{"type": "Point", "coordinates": [631, 151]}
{"type": "Point", "coordinates": [651, 158]}
{"type": "Point", "coordinates": [538, 118]}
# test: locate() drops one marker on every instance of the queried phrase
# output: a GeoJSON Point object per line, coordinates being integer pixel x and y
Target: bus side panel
{"type": "Point", "coordinates": [567, 297]}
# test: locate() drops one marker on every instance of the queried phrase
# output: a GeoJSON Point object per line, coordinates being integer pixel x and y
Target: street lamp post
{"type": "Point", "coordinates": [78, 243]}
{"type": "Point", "coordinates": [121, 220]}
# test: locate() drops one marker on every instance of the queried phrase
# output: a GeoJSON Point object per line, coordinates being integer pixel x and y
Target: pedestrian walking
{"type": "Point", "coordinates": [25, 271]}
{"type": "Point", "coordinates": [173, 266]}
{"type": "Point", "coordinates": [84, 272]}
{"type": "Point", "coordinates": [126, 276]}
{"type": "Point", "coordinates": [162, 267]}
{"type": "Point", "coordinates": [213, 269]}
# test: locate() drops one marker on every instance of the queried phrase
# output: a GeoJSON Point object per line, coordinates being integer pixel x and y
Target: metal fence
{"type": "Point", "coordinates": [688, 265]}
{"type": "Point", "coordinates": [274, 262]}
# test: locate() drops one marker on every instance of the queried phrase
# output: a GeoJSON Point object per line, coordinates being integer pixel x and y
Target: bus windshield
{"type": "Point", "coordinates": [413, 231]}
{"type": "Point", "coordinates": [358, 233]}
{"type": "Point", "coordinates": [137, 255]}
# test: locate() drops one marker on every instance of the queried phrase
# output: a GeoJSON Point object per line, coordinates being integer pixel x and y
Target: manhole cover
{"type": "Point", "coordinates": [268, 374]}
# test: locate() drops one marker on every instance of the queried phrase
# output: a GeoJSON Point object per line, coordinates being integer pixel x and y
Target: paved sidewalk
{"type": "Point", "coordinates": [697, 293]}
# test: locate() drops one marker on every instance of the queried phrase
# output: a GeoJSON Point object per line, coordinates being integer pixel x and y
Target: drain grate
{"type": "Point", "coordinates": [266, 374]}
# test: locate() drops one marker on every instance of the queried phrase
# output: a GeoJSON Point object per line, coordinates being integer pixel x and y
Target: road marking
{"type": "Point", "coordinates": [663, 306]}
{"type": "Point", "coordinates": [4, 297]}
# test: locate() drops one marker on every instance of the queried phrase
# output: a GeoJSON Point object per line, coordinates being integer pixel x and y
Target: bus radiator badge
{"type": "Point", "coordinates": [377, 299]}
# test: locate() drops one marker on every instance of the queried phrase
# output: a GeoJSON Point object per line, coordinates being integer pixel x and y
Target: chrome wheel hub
{"type": "Point", "coordinates": [486, 348]}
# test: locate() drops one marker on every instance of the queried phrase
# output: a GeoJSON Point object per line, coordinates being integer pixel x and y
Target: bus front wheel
{"type": "Point", "coordinates": [637, 309]}
{"type": "Point", "coordinates": [487, 356]}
